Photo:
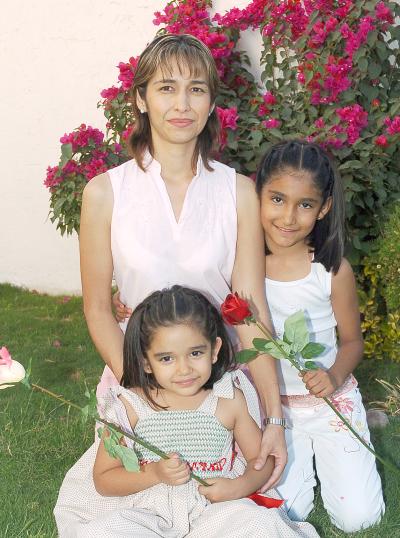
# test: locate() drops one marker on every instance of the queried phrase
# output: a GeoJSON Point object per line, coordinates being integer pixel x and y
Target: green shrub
{"type": "Point", "coordinates": [388, 257]}
{"type": "Point", "coordinates": [379, 285]}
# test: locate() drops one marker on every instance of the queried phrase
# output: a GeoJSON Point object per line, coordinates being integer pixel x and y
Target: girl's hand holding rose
{"type": "Point", "coordinates": [172, 471]}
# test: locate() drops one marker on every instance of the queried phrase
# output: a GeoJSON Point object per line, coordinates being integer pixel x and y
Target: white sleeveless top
{"type": "Point", "coordinates": [152, 251]}
{"type": "Point", "coordinates": [312, 294]}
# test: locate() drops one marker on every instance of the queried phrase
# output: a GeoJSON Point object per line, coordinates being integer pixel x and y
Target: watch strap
{"type": "Point", "coordinates": [276, 421]}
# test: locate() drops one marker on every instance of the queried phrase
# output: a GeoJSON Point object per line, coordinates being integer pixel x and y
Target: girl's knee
{"type": "Point", "coordinates": [357, 517]}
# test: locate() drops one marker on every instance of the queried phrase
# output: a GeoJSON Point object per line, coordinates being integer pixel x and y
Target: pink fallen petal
{"type": "Point", "coordinates": [5, 357]}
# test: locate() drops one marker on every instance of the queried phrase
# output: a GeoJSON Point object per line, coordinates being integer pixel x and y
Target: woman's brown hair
{"type": "Point", "coordinates": [189, 53]}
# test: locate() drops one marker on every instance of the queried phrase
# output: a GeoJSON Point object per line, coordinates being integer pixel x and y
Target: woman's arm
{"type": "Point", "coordinates": [97, 269]}
{"type": "Point", "coordinates": [323, 383]}
{"type": "Point", "coordinates": [248, 436]}
{"type": "Point", "coordinates": [248, 279]}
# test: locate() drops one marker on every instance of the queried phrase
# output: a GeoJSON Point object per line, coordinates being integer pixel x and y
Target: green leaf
{"type": "Point", "coordinates": [26, 380]}
{"type": "Point", "coordinates": [257, 137]}
{"type": "Point", "coordinates": [246, 355]}
{"type": "Point", "coordinates": [92, 403]}
{"type": "Point", "coordinates": [311, 350]}
{"type": "Point", "coordinates": [296, 331]}
{"type": "Point", "coordinates": [126, 455]}
{"type": "Point", "coordinates": [128, 458]}
{"type": "Point", "coordinates": [310, 365]}
{"type": "Point", "coordinates": [363, 64]}
{"type": "Point", "coordinates": [272, 349]}
{"type": "Point", "coordinates": [374, 70]}
{"type": "Point", "coordinates": [66, 151]}
{"type": "Point", "coordinates": [260, 343]}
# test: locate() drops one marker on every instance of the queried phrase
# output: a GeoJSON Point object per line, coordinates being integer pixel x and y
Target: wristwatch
{"type": "Point", "coordinates": [276, 421]}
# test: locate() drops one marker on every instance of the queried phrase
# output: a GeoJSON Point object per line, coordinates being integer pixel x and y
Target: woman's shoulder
{"type": "Point", "coordinates": [245, 186]}
{"type": "Point", "coordinates": [247, 199]}
{"type": "Point", "coordinates": [98, 195]}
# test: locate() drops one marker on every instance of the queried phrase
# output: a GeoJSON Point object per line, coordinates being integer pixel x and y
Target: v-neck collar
{"type": "Point", "coordinates": [153, 167]}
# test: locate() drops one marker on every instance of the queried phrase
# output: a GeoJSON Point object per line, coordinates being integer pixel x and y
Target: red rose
{"type": "Point", "coordinates": [235, 310]}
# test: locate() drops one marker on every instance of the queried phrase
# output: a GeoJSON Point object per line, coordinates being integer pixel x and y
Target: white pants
{"type": "Point", "coordinates": [350, 485]}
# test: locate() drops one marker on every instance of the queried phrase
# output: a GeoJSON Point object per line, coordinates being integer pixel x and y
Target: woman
{"type": "Point", "coordinates": [173, 216]}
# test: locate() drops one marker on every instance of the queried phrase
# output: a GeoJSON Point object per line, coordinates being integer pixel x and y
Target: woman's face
{"type": "Point", "coordinates": [178, 105]}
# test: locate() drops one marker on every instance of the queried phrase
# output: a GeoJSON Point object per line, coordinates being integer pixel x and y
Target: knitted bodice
{"type": "Point", "coordinates": [196, 435]}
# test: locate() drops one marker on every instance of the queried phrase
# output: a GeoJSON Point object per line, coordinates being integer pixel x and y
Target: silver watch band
{"type": "Point", "coordinates": [276, 421]}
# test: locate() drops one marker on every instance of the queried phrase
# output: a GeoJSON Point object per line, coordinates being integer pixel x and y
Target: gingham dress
{"type": "Point", "coordinates": [173, 511]}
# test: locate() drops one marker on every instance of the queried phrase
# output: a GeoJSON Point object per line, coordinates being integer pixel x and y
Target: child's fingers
{"type": "Point", "coordinates": [173, 461]}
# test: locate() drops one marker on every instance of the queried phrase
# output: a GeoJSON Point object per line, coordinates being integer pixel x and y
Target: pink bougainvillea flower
{"type": "Point", "coordinates": [301, 78]}
{"type": "Point", "coordinates": [393, 126]}
{"type": "Point", "coordinates": [127, 72]}
{"type": "Point", "coordinates": [228, 117]}
{"type": "Point", "coordinates": [110, 93]}
{"type": "Point", "coordinates": [269, 98]}
{"type": "Point", "coordinates": [272, 123]}
{"type": "Point", "coordinates": [127, 133]}
{"type": "Point", "coordinates": [11, 371]}
{"type": "Point", "coordinates": [381, 141]}
{"type": "Point", "coordinates": [383, 13]}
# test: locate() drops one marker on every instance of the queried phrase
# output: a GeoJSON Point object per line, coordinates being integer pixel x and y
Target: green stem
{"type": "Point", "coordinates": [114, 427]}
{"type": "Point", "coordinates": [270, 337]}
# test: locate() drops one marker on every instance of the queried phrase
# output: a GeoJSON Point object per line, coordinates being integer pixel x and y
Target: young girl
{"type": "Point", "coordinates": [302, 212]}
{"type": "Point", "coordinates": [180, 393]}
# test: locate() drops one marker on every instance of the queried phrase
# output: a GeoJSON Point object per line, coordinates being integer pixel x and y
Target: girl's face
{"type": "Point", "coordinates": [290, 205]}
{"type": "Point", "coordinates": [178, 105]}
{"type": "Point", "coordinates": [180, 358]}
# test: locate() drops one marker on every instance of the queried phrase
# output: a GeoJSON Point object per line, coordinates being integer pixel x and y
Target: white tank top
{"type": "Point", "coordinates": [151, 250]}
{"type": "Point", "coordinates": [311, 294]}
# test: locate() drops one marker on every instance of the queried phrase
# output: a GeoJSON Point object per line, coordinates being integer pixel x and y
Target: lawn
{"type": "Point", "coordinates": [40, 439]}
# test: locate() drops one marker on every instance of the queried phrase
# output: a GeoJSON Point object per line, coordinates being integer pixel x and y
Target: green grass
{"type": "Point", "coordinates": [40, 440]}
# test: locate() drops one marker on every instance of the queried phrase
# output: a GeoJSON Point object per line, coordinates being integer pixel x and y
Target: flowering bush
{"type": "Point", "coordinates": [331, 74]}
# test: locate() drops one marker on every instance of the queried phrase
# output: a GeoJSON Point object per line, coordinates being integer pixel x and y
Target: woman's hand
{"type": "Point", "coordinates": [172, 471]}
{"type": "Point", "coordinates": [221, 489]}
{"type": "Point", "coordinates": [122, 312]}
{"type": "Point", "coordinates": [273, 444]}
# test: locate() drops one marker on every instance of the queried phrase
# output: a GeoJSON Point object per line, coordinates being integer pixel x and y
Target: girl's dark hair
{"type": "Point", "coordinates": [174, 306]}
{"type": "Point", "coordinates": [328, 235]}
{"type": "Point", "coordinates": [189, 52]}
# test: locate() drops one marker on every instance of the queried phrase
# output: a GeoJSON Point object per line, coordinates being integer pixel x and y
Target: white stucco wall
{"type": "Point", "coordinates": [56, 56]}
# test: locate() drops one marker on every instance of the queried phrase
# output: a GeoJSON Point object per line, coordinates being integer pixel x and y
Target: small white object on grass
{"type": "Point", "coordinates": [10, 371]}
{"type": "Point", "coordinates": [377, 418]}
